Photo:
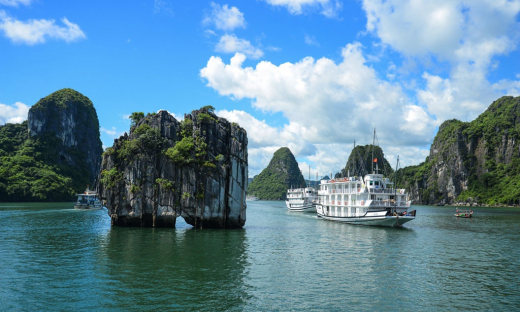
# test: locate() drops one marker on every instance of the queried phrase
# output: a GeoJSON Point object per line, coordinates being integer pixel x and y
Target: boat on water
{"type": "Point", "coordinates": [365, 199]}
{"type": "Point", "coordinates": [371, 200]}
{"type": "Point", "coordinates": [464, 213]}
{"type": "Point", "coordinates": [251, 198]}
{"type": "Point", "coordinates": [87, 200]}
{"type": "Point", "coordinates": [301, 199]}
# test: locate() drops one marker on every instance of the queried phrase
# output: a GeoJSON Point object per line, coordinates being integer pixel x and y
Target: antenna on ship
{"type": "Point", "coordinates": [309, 176]}
{"type": "Point", "coordinates": [373, 143]}
{"type": "Point", "coordinates": [395, 184]}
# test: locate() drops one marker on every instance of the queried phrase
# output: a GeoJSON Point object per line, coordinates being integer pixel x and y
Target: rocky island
{"type": "Point", "coordinates": [163, 168]}
{"type": "Point", "coordinates": [54, 154]}
{"type": "Point", "coordinates": [281, 174]}
{"type": "Point", "coordinates": [471, 163]}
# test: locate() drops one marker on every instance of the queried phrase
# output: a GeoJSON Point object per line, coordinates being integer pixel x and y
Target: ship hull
{"type": "Point", "coordinates": [389, 221]}
{"type": "Point", "coordinates": [300, 207]}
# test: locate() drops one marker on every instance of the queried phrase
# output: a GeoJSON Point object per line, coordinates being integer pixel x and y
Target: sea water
{"type": "Point", "coordinates": [55, 258]}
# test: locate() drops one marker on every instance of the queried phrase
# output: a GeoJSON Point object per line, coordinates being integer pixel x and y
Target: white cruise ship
{"type": "Point", "coordinates": [301, 199]}
{"type": "Point", "coordinates": [371, 200]}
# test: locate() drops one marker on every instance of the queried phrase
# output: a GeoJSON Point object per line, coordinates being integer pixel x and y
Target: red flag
{"type": "Point", "coordinates": [375, 159]}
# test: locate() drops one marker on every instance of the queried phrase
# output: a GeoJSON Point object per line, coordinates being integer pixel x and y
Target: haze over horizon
{"type": "Point", "coordinates": [312, 75]}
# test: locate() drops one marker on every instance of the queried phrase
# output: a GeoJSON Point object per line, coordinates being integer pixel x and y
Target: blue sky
{"type": "Point", "coordinates": [313, 75]}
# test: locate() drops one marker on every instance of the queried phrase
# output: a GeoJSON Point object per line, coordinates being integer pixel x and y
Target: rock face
{"type": "Point", "coordinates": [281, 174]}
{"type": "Point", "coordinates": [164, 168]}
{"type": "Point", "coordinates": [472, 162]}
{"type": "Point", "coordinates": [70, 117]}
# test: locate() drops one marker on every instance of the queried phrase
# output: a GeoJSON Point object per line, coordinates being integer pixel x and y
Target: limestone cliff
{"type": "Point", "coordinates": [472, 162]}
{"type": "Point", "coordinates": [164, 168]}
{"type": "Point", "coordinates": [281, 174]}
{"type": "Point", "coordinates": [70, 117]}
{"type": "Point", "coordinates": [55, 154]}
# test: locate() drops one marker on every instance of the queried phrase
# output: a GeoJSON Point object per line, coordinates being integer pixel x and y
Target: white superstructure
{"type": "Point", "coordinates": [371, 200]}
{"type": "Point", "coordinates": [301, 199]}
{"type": "Point", "coordinates": [88, 200]}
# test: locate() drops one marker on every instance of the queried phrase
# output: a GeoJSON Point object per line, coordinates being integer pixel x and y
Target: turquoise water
{"type": "Point", "coordinates": [54, 258]}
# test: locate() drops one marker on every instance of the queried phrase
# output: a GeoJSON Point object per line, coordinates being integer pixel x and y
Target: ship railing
{"type": "Point", "coordinates": [361, 190]}
{"type": "Point", "coordinates": [350, 179]}
{"type": "Point", "coordinates": [388, 203]}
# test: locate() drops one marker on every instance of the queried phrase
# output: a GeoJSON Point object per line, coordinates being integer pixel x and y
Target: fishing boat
{"type": "Point", "coordinates": [464, 213]}
{"type": "Point", "coordinates": [301, 199]}
{"type": "Point", "coordinates": [368, 199]}
{"type": "Point", "coordinates": [88, 200]}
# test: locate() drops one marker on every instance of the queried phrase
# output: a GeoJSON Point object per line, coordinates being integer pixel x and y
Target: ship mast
{"type": "Point", "coordinates": [395, 184]}
{"type": "Point", "coordinates": [373, 143]}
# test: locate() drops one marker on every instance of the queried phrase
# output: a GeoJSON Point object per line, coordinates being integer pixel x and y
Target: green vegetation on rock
{"type": "Point", "coordinates": [281, 174]}
{"type": "Point", "coordinates": [43, 166]}
{"type": "Point", "coordinates": [360, 162]}
{"type": "Point", "coordinates": [476, 161]}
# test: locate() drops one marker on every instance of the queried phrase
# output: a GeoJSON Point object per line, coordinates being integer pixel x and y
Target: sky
{"type": "Point", "coordinates": [313, 75]}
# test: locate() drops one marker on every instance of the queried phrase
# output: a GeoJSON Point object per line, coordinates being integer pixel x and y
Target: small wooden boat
{"type": "Point", "coordinates": [464, 213]}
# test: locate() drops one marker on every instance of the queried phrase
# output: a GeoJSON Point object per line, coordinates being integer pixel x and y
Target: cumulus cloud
{"type": "Point", "coordinates": [13, 114]}
{"type": "Point", "coordinates": [38, 31]}
{"type": "Point", "coordinates": [451, 29]}
{"type": "Point", "coordinates": [232, 44]}
{"type": "Point", "coordinates": [15, 3]}
{"type": "Point", "coordinates": [225, 18]}
{"type": "Point", "coordinates": [466, 35]}
{"type": "Point", "coordinates": [329, 8]}
{"type": "Point", "coordinates": [327, 105]}
{"type": "Point", "coordinates": [320, 95]}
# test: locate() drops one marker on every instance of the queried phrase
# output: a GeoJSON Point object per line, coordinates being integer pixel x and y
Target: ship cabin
{"type": "Point", "coordinates": [296, 196]}
{"type": "Point", "coordinates": [373, 192]}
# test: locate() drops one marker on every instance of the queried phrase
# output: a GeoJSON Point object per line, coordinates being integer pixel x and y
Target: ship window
{"type": "Point", "coordinates": [376, 182]}
{"type": "Point", "coordinates": [371, 182]}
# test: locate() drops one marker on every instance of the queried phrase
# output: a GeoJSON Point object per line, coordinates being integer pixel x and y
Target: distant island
{"type": "Point", "coordinates": [281, 174]}
{"type": "Point", "coordinates": [54, 154]}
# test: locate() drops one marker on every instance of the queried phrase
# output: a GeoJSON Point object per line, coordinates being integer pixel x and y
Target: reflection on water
{"type": "Point", "coordinates": [165, 268]}
{"type": "Point", "coordinates": [54, 258]}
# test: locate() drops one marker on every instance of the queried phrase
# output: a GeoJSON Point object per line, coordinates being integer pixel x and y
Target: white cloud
{"type": "Point", "coordinates": [112, 132]}
{"type": "Point", "coordinates": [225, 18]}
{"type": "Point", "coordinates": [310, 40]}
{"type": "Point", "coordinates": [232, 44]}
{"type": "Point", "coordinates": [320, 95]}
{"type": "Point", "coordinates": [13, 114]}
{"type": "Point", "coordinates": [329, 8]}
{"type": "Point", "coordinates": [15, 3]}
{"type": "Point", "coordinates": [162, 6]}
{"type": "Point", "coordinates": [327, 105]}
{"type": "Point", "coordinates": [38, 31]}
{"type": "Point", "coordinates": [465, 35]}
{"type": "Point", "coordinates": [454, 30]}
{"type": "Point", "coordinates": [512, 88]}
